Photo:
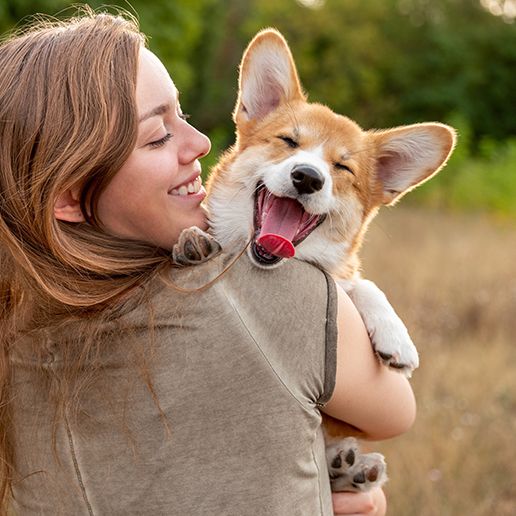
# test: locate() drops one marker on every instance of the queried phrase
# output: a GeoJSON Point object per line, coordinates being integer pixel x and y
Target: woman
{"type": "Point", "coordinates": [121, 394]}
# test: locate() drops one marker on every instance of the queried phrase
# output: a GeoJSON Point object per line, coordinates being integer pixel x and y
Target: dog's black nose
{"type": "Point", "coordinates": [306, 179]}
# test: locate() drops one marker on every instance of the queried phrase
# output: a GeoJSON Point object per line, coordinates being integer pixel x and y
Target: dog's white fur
{"type": "Point", "coordinates": [379, 167]}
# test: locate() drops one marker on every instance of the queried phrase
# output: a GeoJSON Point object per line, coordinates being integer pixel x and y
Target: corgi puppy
{"type": "Point", "coordinates": [304, 181]}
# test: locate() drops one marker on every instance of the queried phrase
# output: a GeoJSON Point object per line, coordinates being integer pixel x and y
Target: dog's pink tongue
{"type": "Point", "coordinates": [281, 219]}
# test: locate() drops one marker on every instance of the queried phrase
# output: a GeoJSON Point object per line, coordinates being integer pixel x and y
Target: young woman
{"type": "Point", "coordinates": [121, 394]}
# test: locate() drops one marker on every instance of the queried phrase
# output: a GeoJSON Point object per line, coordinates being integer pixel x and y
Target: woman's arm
{"type": "Point", "coordinates": [367, 395]}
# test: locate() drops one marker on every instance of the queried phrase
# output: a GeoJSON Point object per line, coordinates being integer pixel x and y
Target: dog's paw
{"type": "Point", "coordinates": [351, 470]}
{"type": "Point", "coordinates": [194, 247]}
{"type": "Point", "coordinates": [393, 345]}
{"type": "Point", "coordinates": [388, 334]}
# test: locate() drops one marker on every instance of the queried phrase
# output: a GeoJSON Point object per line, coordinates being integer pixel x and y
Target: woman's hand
{"type": "Point", "coordinates": [372, 503]}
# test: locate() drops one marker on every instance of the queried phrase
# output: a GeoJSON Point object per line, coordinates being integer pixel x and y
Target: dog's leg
{"type": "Point", "coordinates": [351, 470]}
{"type": "Point", "coordinates": [194, 247]}
{"type": "Point", "coordinates": [388, 334]}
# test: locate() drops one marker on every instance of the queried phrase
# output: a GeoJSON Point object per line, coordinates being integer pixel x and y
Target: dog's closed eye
{"type": "Point", "coordinates": [293, 144]}
{"type": "Point", "coordinates": [340, 166]}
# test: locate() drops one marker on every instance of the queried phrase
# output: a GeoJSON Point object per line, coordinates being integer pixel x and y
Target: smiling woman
{"type": "Point", "coordinates": [157, 192]}
{"type": "Point", "coordinates": [118, 393]}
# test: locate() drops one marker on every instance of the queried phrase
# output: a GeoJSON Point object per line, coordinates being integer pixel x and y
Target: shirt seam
{"type": "Point", "coordinates": [264, 356]}
{"type": "Point", "coordinates": [314, 458]}
{"type": "Point", "coordinates": [76, 467]}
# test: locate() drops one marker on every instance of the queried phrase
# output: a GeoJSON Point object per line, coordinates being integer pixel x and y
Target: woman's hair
{"type": "Point", "coordinates": [67, 120]}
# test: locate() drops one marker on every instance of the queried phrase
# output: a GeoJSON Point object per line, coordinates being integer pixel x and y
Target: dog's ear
{"type": "Point", "coordinates": [408, 156]}
{"type": "Point", "coordinates": [268, 77]}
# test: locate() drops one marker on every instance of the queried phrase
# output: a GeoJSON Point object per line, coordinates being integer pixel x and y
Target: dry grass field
{"type": "Point", "coordinates": [452, 278]}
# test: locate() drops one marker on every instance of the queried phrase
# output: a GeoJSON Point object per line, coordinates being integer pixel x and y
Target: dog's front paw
{"type": "Point", "coordinates": [351, 470]}
{"type": "Point", "coordinates": [393, 345]}
{"type": "Point", "coordinates": [194, 247]}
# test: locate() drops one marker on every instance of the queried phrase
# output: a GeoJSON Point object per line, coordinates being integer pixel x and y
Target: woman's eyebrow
{"type": "Point", "coordinates": [159, 110]}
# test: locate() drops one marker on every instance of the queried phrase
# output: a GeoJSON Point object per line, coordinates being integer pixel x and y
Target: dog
{"type": "Point", "coordinates": [303, 181]}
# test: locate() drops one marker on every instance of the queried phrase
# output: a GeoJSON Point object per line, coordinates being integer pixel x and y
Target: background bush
{"type": "Point", "coordinates": [381, 62]}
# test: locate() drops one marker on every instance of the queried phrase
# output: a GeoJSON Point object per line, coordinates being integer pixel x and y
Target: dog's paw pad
{"type": "Point", "coordinates": [194, 247]}
{"type": "Point", "coordinates": [373, 474]}
{"type": "Point", "coordinates": [351, 470]}
{"type": "Point", "coordinates": [344, 456]}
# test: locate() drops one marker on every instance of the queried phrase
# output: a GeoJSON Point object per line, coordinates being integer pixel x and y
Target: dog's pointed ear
{"type": "Point", "coordinates": [408, 156]}
{"type": "Point", "coordinates": [268, 77]}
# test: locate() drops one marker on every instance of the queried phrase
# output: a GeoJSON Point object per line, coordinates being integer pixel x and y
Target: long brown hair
{"type": "Point", "coordinates": [67, 119]}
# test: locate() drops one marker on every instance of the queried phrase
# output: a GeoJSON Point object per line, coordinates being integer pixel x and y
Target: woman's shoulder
{"type": "Point", "coordinates": [291, 278]}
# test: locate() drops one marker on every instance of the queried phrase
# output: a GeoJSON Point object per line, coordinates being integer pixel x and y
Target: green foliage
{"type": "Point", "coordinates": [483, 180]}
{"type": "Point", "coordinates": [381, 62]}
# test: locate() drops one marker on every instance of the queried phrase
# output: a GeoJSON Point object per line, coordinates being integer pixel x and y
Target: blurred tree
{"type": "Point", "coordinates": [382, 62]}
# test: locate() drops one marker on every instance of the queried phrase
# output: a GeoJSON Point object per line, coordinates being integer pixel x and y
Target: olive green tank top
{"type": "Point", "coordinates": [239, 370]}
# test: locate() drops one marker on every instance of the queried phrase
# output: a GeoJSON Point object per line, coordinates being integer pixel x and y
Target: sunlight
{"type": "Point", "coordinates": [312, 4]}
{"type": "Point", "coordinates": [504, 8]}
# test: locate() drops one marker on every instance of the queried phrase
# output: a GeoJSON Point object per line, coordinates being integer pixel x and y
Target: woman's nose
{"type": "Point", "coordinates": [195, 146]}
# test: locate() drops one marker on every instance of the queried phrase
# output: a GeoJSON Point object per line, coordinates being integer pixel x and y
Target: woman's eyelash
{"type": "Point", "coordinates": [161, 141]}
{"type": "Point", "coordinates": [184, 116]}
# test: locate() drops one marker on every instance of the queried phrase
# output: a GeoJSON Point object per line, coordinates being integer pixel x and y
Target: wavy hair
{"type": "Point", "coordinates": [67, 119]}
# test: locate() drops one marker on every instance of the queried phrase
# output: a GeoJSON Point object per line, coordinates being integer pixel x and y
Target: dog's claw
{"type": "Point", "coordinates": [394, 365]}
{"type": "Point", "coordinates": [384, 356]}
{"type": "Point", "coordinates": [194, 247]}
{"type": "Point", "coordinates": [393, 362]}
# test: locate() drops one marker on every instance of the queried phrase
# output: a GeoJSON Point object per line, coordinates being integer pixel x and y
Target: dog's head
{"type": "Point", "coordinates": [302, 179]}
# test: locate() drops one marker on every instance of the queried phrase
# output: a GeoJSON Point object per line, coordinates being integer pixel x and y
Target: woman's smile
{"type": "Point", "coordinates": [187, 188]}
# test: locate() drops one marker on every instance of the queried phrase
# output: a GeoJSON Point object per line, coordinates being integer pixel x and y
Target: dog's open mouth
{"type": "Point", "coordinates": [280, 223]}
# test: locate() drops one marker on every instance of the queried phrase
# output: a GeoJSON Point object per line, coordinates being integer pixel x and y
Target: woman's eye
{"type": "Point", "coordinates": [160, 142]}
{"type": "Point", "coordinates": [183, 116]}
{"type": "Point", "coordinates": [340, 166]}
{"type": "Point", "coordinates": [289, 141]}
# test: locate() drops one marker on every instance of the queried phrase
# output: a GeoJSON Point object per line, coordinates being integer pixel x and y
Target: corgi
{"type": "Point", "coordinates": [303, 181]}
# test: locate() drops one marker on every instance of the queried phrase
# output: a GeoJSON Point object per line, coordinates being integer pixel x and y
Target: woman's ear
{"type": "Point", "coordinates": [68, 207]}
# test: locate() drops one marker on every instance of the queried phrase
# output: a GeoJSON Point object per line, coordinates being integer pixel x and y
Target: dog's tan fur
{"type": "Point", "coordinates": [366, 153]}
{"type": "Point", "coordinates": [366, 169]}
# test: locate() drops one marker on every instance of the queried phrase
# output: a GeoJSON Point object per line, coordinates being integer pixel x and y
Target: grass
{"type": "Point", "coordinates": [452, 278]}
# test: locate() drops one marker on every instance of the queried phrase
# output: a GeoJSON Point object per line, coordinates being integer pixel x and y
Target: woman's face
{"type": "Point", "coordinates": [158, 192]}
